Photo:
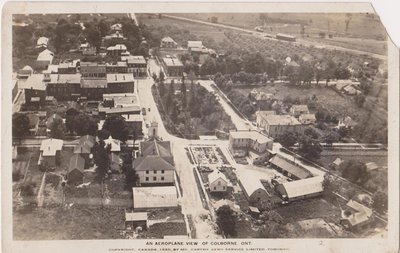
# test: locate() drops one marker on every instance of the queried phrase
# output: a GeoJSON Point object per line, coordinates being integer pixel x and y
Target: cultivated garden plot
{"type": "Point", "coordinates": [208, 155]}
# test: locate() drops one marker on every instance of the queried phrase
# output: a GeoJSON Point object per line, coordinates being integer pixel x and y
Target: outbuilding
{"type": "Point", "coordinates": [217, 181]}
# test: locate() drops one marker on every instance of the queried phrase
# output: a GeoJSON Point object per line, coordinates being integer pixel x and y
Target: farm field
{"type": "Point", "coordinates": [366, 28]}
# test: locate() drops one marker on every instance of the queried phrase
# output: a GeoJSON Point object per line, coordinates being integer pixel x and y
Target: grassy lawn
{"type": "Point", "coordinates": [309, 209]}
{"type": "Point", "coordinates": [73, 223]}
{"type": "Point", "coordinates": [159, 230]}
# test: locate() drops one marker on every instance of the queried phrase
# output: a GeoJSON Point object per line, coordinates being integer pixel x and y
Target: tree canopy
{"type": "Point", "coordinates": [117, 127]}
{"type": "Point", "coordinates": [226, 219]}
{"type": "Point", "coordinates": [20, 125]}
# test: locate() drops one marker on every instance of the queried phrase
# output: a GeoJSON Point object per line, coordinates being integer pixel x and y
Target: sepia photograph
{"type": "Point", "coordinates": [198, 125]}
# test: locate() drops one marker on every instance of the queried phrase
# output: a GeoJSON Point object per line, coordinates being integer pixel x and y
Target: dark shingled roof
{"type": "Point", "coordinates": [290, 167]}
{"type": "Point", "coordinates": [155, 147]}
{"type": "Point", "coordinates": [76, 162]}
{"type": "Point", "coordinates": [151, 162]}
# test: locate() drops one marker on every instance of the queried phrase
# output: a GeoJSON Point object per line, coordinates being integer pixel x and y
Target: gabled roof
{"type": "Point", "coordinates": [156, 147]}
{"type": "Point", "coordinates": [42, 41]}
{"type": "Point", "coordinates": [49, 147]}
{"type": "Point", "coordinates": [85, 145]}
{"type": "Point", "coordinates": [115, 144]}
{"type": "Point", "coordinates": [290, 167]}
{"type": "Point", "coordinates": [216, 174]}
{"type": "Point", "coordinates": [151, 162]}
{"type": "Point", "coordinates": [168, 39]}
{"type": "Point", "coordinates": [361, 213]}
{"type": "Point", "coordinates": [263, 96]}
{"type": "Point", "coordinates": [45, 55]}
{"type": "Point", "coordinates": [304, 187]}
{"type": "Point", "coordinates": [251, 184]}
{"type": "Point", "coordinates": [51, 119]}
{"type": "Point", "coordinates": [192, 43]}
{"type": "Point", "coordinates": [275, 120]}
{"type": "Point", "coordinates": [253, 135]}
{"type": "Point", "coordinates": [307, 116]}
{"type": "Point", "coordinates": [76, 162]}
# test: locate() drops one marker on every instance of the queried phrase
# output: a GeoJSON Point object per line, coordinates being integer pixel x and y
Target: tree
{"type": "Point", "coordinates": [310, 131]}
{"type": "Point", "coordinates": [57, 129]}
{"type": "Point", "coordinates": [287, 139]}
{"type": "Point", "coordinates": [359, 99]}
{"type": "Point", "coordinates": [309, 148]}
{"type": "Point", "coordinates": [20, 125]}
{"type": "Point", "coordinates": [131, 177]}
{"type": "Point", "coordinates": [161, 76]}
{"type": "Point", "coordinates": [101, 159]}
{"type": "Point", "coordinates": [226, 219]}
{"type": "Point", "coordinates": [183, 94]}
{"type": "Point", "coordinates": [117, 127]}
{"type": "Point", "coordinates": [331, 137]}
{"type": "Point", "coordinates": [84, 124]}
{"type": "Point", "coordinates": [354, 171]}
{"type": "Point", "coordinates": [103, 134]}
{"type": "Point", "coordinates": [380, 201]}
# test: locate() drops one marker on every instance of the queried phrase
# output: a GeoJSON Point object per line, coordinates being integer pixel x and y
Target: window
{"type": "Point", "coordinates": [155, 172]}
{"type": "Point", "coordinates": [162, 172]}
{"type": "Point", "coordinates": [219, 182]}
{"type": "Point", "coordinates": [215, 188]}
{"type": "Point", "coordinates": [223, 188]}
{"type": "Point", "coordinates": [147, 178]}
{"type": "Point", "coordinates": [154, 178]}
{"type": "Point", "coordinates": [162, 178]}
{"type": "Point", "coordinates": [147, 172]}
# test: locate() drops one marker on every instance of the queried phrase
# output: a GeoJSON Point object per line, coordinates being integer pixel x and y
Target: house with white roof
{"type": "Point", "coordinates": [307, 119]}
{"type": "Point", "coordinates": [50, 150]}
{"type": "Point", "coordinates": [300, 189]}
{"type": "Point", "coordinates": [356, 216]}
{"type": "Point", "coordinates": [44, 59]}
{"type": "Point", "coordinates": [249, 140]}
{"type": "Point", "coordinates": [168, 42]}
{"type": "Point", "coordinates": [217, 181]}
{"type": "Point", "coordinates": [297, 110]}
{"type": "Point", "coordinates": [275, 125]}
{"type": "Point", "coordinates": [253, 189]}
{"type": "Point", "coordinates": [116, 50]}
{"type": "Point", "coordinates": [114, 143]}
{"type": "Point", "coordinates": [154, 197]}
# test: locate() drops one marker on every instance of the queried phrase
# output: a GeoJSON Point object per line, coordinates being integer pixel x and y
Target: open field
{"type": "Point", "coordinates": [365, 27]}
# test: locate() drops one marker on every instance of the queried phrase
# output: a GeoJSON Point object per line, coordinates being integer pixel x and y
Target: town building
{"type": "Point", "coordinates": [75, 171]}
{"type": "Point", "coordinates": [155, 163]}
{"type": "Point", "coordinates": [120, 104]}
{"type": "Point", "coordinates": [68, 67]}
{"type": "Point", "coordinates": [168, 42]}
{"type": "Point", "coordinates": [34, 88]}
{"type": "Point", "coordinates": [116, 27]}
{"type": "Point", "coordinates": [217, 181]}
{"type": "Point", "coordinates": [262, 100]}
{"type": "Point", "coordinates": [253, 189]}
{"type": "Point", "coordinates": [25, 72]}
{"type": "Point", "coordinates": [116, 50]}
{"type": "Point", "coordinates": [154, 197]}
{"type": "Point", "coordinates": [289, 168]}
{"type": "Point", "coordinates": [136, 64]}
{"type": "Point", "coordinates": [173, 66]}
{"type": "Point", "coordinates": [260, 115]}
{"type": "Point", "coordinates": [44, 59]}
{"type": "Point", "coordinates": [197, 47]}
{"type": "Point", "coordinates": [91, 83]}
{"type": "Point", "coordinates": [249, 141]}
{"type": "Point", "coordinates": [307, 119]}
{"type": "Point", "coordinates": [275, 125]}
{"type": "Point", "coordinates": [297, 110]}
{"type": "Point", "coordinates": [300, 189]}
{"type": "Point", "coordinates": [356, 216]}
{"type": "Point", "coordinates": [50, 150]}
{"type": "Point", "coordinates": [114, 38]}
{"type": "Point", "coordinates": [119, 67]}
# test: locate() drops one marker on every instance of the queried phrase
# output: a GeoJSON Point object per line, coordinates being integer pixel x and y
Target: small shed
{"type": "Point", "coordinates": [254, 212]}
{"type": "Point", "coordinates": [371, 166]}
{"type": "Point", "coordinates": [75, 171]}
{"type": "Point", "coordinates": [136, 219]}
